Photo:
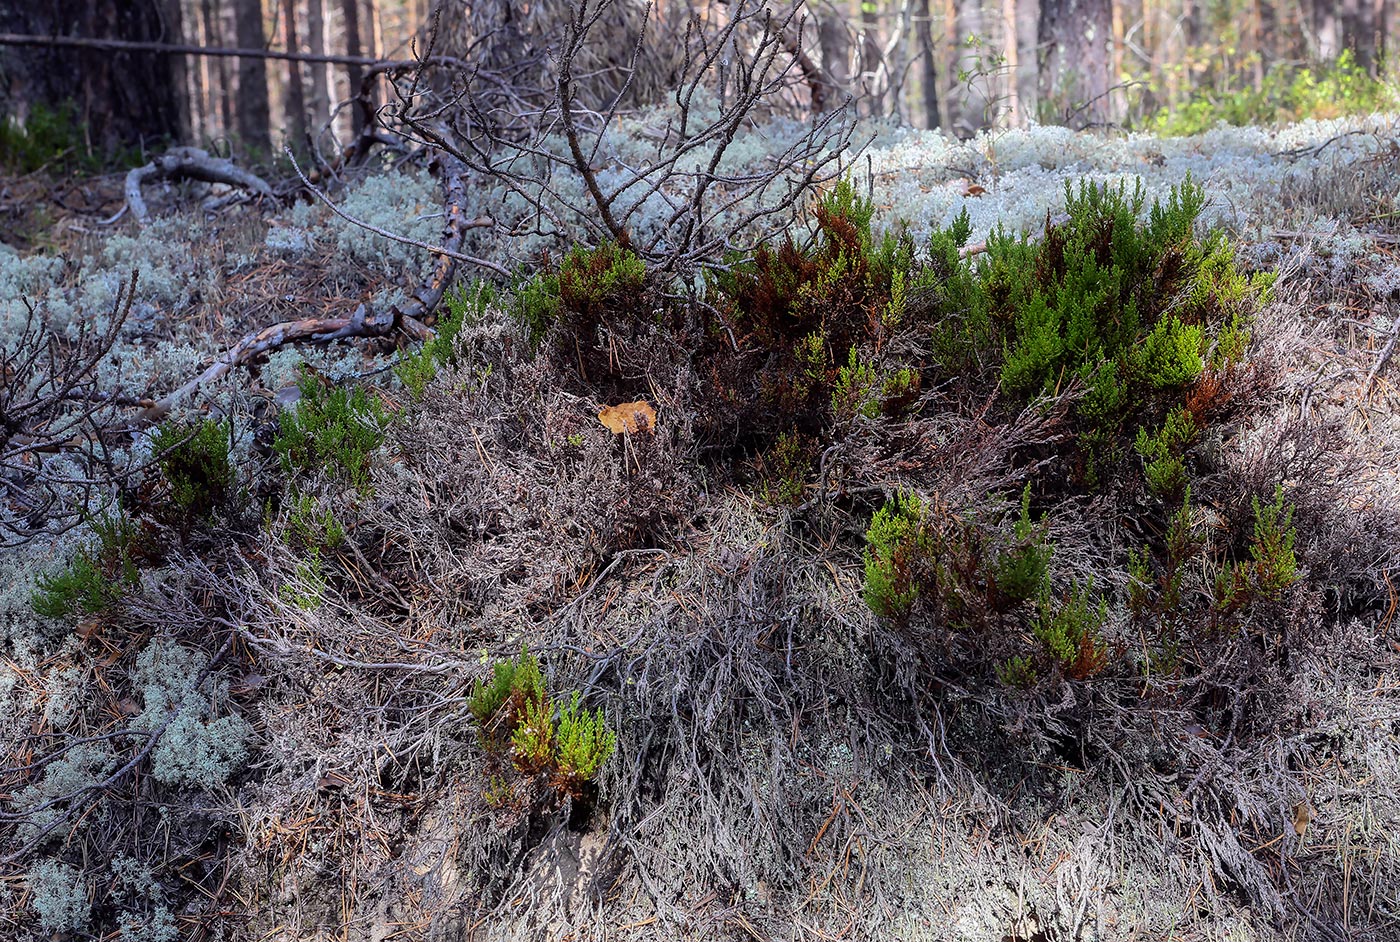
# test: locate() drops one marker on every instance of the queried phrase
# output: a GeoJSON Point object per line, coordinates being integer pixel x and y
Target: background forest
{"type": "Point", "coordinates": [603, 470]}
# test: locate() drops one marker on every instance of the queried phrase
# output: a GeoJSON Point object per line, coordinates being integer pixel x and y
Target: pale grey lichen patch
{"type": "Point", "coordinates": [58, 895]}
{"type": "Point", "coordinates": [197, 747]}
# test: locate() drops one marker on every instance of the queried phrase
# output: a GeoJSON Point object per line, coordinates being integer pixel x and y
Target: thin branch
{"type": "Point", "coordinates": [123, 45]}
{"type": "Point", "coordinates": [480, 222]}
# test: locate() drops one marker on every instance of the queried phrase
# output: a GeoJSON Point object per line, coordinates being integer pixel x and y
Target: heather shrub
{"type": "Point", "coordinates": [1071, 631]}
{"type": "Point", "coordinates": [1163, 452]}
{"type": "Point", "coordinates": [194, 462]}
{"type": "Point", "coordinates": [313, 527]}
{"type": "Point", "coordinates": [516, 718]}
{"type": "Point", "coordinates": [331, 430]}
{"type": "Point", "coordinates": [1022, 569]}
{"type": "Point", "coordinates": [535, 304]}
{"type": "Point", "coordinates": [499, 704]}
{"type": "Point", "coordinates": [1272, 565]}
{"type": "Point", "coordinates": [592, 278]}
{"type": "Point", "coordinates": [417, 369]}
{"type": "Point", "coordinates": [584, 743]}
{"type": "Point", "coordinates": [53, 138]}
{"type": "Point", "coordinates": [894, 542]}
{"type": "Point", "coordinates": [97, 576]}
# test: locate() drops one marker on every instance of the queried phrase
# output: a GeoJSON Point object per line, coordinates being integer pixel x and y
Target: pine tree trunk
{"type": "Point", "coordinates": [126, 99]}
{"type": "Point", "coordinates": [928, 66]}
{"type": "Point", "coordinates": [1359, 31]}
{"type": "Point", "coordinates": [967, 106]}
{"type": "Point", "coordinates": [320, 83]}
{"type": "Point", "coordinates": [1011, 112]}
{"type": "Point", "coordinates": [254, 114]}
{"type": "Point", "coordinates": [351, 11]}
{"type": "Point", "coordinates": [219, 68]}
{"type": "Point", "coordinates": [296, 95]}
{"type": "Point", "coordinates": [871, 62]}
{"type": "Point", "coordinates": [1075, 71]}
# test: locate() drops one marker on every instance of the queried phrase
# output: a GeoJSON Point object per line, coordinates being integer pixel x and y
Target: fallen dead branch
{"type": "Point", "coordinates": [193, 163]}
{"type": "Point", "coordinates": [365, 321]}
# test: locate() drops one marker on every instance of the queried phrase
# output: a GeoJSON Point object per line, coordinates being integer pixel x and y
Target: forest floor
{"type": "Point", "coordinates": [327, 781]}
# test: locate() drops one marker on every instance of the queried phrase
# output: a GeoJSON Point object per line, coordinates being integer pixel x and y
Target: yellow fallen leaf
{"type": "Point", "coordinates": [628, 417]}
{"type": "Point", "coordinates": [1302, 815]}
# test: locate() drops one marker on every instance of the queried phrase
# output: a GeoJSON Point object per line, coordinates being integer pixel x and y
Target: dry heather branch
{"type": "Point", "coordinates": [57, 457]}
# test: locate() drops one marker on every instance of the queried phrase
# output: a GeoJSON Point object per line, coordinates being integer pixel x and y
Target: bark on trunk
{"type": "Point", "coordinates": [125, 100]}
{"type": "Point", "coordinates": [254, 114]}
{"type": "Point", "coordinates": [1010, 42]}
{"type": "Point", "coordinates": [871, 62]}
{"type": "Point", "coordinates": [1359, 31]}
{"type": "Point", "coordinates": [928, 67]}
{"type": "Point", "coordinates": [320, 103]}
{"type": "Point", "coordinates": [1075, 71]}
{"type": "Point", "coordinates": [351, 11]}
{"type": "Point", "coordinates": [296, 95]}
{"type": "Point", "coordinates": [218, 67]}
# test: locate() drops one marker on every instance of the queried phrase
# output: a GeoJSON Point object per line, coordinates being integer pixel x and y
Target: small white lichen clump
{"type": "Point", "coordinates": [58, 896]}
{"type": "Point", "coordinates": [196, 748]}
{"type": "Point", "coordinates": [408, 204]}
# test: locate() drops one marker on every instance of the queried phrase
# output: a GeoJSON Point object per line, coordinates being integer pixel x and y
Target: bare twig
{"type": "Point", "coordinates": [478, 223]}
